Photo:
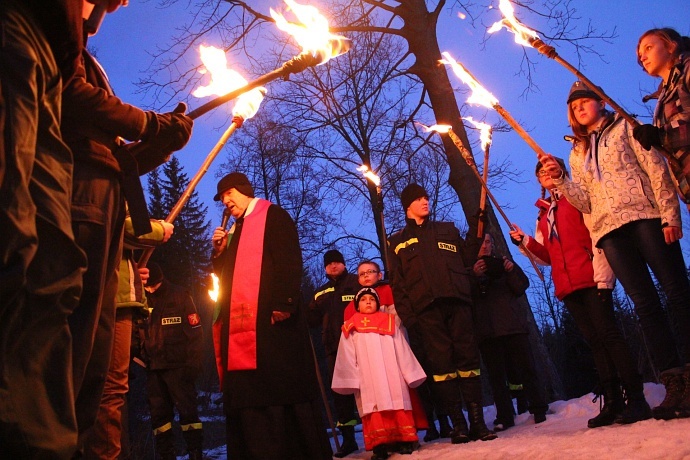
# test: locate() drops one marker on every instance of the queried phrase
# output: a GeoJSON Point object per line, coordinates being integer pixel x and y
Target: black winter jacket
{"type": "Point", "coordinates": [428, 262]}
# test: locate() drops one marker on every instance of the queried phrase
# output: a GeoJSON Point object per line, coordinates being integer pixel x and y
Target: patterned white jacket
{"type": "Point", "coordinates": [618, 182]}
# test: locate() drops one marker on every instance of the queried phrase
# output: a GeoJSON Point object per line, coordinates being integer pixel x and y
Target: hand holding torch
{"type": "Point", "coordinates": [469, 159]}
{"type": "Point", "coordinates": [528, 37]}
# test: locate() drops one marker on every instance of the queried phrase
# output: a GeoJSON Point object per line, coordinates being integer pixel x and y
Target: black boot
{"type": "Point", "coordinates": [431, 432]}
{"type": "Point", "coordinates": [675, 386]}
{"type": "Point", "coordinates": [520, 398]}
{"type": "Point", "coordinates": [471, 388]}
{"type": "Point", "coordinates": [444, 426]}
{"type": "Point", "coordinates": [478, 429]}
{"type": "Point", "coordinates": [636, 407]}
{"type": "Point", "coordinates": [613, 406]}
{"type": "Point", "coordinates": [449, 392]}
{"type": "Point", "coordinates": [194, 438]}
{"type": "Point", "coordinates": [349, 444]}
{"type": "Point", "coordinates": [165, 445]}
{"type": "Point", "coordinates": [380, 452]}
{"type": "Point", "coordinates": [684, 407]}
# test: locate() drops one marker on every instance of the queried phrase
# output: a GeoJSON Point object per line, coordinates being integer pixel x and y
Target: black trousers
{"type": "Point", "coordinates": [97, 219]}
{"type": "Point", "coordinates": [40, 264]}
{"type": "Point", "coordinates": [512, 351]}
{"type": "Point", "coordinates": [344, 404]}
{"type": "Point", "coordinates": [447, 332]}
{"type": "Point", "coordinates": [592, 311]}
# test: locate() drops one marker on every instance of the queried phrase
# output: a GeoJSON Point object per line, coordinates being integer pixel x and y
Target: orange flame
{"type": "Point", "coordinates": [213, 293]}
{"type": "Point", "coordinates": [436, 128]}
{"type": "Point", "coordinates": [376, 180]}
{"type": "Point", "coordinates": [313, 34]}
{"type": "Point", "coordinates": [225, 80]}
{"type": "Point", "coordinates": [485, 131]}
{"type": "Point", "coordinates": [523, 35]}
{"type": "Point", "coordinates": [479, 94]}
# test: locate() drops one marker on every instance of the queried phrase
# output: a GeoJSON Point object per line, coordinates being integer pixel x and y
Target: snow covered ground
{"type": "Point", "coordinates": [563, 435]}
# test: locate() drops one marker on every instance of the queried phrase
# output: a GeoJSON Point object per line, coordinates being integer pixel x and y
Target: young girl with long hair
{"type": "Point", "coordinates": [665, 54]}
{"type": "Point", "coordinates": [635, 220]}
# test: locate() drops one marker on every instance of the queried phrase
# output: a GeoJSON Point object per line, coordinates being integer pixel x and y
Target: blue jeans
{"type": "Point", "coordinates": [632, 248]}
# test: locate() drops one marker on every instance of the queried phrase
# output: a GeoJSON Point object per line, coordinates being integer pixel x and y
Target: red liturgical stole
{"type": "Point", "coordinates": [246, 282]}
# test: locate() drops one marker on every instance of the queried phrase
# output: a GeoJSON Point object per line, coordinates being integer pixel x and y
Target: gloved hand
{"type": "Point", "coordinates": [168, 131]}
{"type": "Point", "coordinates": [647, 136]}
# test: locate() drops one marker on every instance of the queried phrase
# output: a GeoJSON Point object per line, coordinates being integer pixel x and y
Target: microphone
{"type": "Point", "coordinates": [224, 222]}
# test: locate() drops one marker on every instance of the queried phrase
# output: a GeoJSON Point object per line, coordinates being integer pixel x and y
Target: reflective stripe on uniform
{"type": "Point", "coordinates": [405, 244]}
{"type": "Point", "coordinates": [514, 387]}
{"type": "Point", "coordinates": [162, 429]}
{"type": "Point", "coordinates": [444, 377]}
{"type": "Point", "coordinates": [352, 422]}
{"type": "Point", "coordinates": [191, 426]}
{"type": "Point", "coordinates": [325, 291]}
{"type": "Point", "coordinates": [468, 374]}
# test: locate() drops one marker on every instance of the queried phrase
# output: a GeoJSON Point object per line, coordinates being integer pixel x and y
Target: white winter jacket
{"type": "Point", "coordinates": [619, 182]}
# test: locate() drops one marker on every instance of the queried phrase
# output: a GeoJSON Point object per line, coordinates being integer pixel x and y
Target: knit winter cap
{"type": "Point", "coordinates": [579, 90]}
{"type": "Point", "coordinates": [332, 256]}
{"type": "Point", "coordinates": [411, 193]}
{"type": "Point", "coordinates": [235, 180]}
{"type": "Point", "coordinates": [155, 274]}
{"type": "Point", "coordinates": [560, 161]}
{"type": "Point", "coordinates": [367, 290]}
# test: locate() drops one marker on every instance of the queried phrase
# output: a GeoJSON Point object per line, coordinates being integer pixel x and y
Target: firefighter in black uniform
{"type": "Point", "coordinates": [432, 292]}
{"type": "Point", "coordinates": [173, 350]}
{"type": "Point", "coordinates": [326, 310]}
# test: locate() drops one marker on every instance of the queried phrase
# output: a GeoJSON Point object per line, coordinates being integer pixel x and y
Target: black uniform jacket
{"type": "Point", "coordinates": [175, 336]}
{"type": "Point", "coordinates": [427, 263]}
{"type": "Point", "coordinates": [328, 305]}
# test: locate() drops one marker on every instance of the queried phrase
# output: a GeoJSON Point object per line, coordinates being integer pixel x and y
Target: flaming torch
{"type": "Point", "coordinates": [247, 105]}
{"type": "Point", "coordinates": [467, 156]}
{"type": "Point", "coordinates": [528, 37]}
{"type": "Point", "coordinates": [485, 131]}
{"type": "Point", "coordinates": [213, 293]}
{"type": "Point", "coordinates": [483, 97]}
{"type": "Point", "coordinates": [318, 47]}
{"type": "Point", "coordinates": [383, 240]}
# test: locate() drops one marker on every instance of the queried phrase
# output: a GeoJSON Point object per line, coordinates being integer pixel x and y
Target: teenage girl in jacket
{"type": "Point", "coordinates": [665, 54]}
{"type": "Point", "coordinates": [584, 282]}
{"type": "Point", "coordinates": [635, 219]}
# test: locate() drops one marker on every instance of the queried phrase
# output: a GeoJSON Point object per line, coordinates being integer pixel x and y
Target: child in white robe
{"type": "Point", "coordinates": [376, 363]}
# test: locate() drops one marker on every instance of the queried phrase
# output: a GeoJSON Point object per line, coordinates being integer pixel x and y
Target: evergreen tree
{"type": "Point", "coordinates": [184, 258]}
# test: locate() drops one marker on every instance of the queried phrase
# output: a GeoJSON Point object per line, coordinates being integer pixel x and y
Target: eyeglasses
{"type": "Point", "coordinates": [368, 272]}
{"type": "Point", "coordinates": [543, 172]}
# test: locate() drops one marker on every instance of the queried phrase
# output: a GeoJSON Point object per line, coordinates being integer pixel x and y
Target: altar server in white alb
{"type": "Point", "coordinates": [376, 363]}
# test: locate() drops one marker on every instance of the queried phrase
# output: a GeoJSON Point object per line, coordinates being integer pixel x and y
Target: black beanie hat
{"type": "Point", "coordinates": [367, 290]}
{"type": "Point", "coordinates": [155, 274]}
{"type": "Point", "coordinates": [235, 180]}
{"type": "Point", "coordinates": [333, 256]}
{"type": "Point", "coordinates": [560, 161]}
{"type": "Point", "coordinates": [580, 90]}
{"type": "Point", "coordinates": [411, 193]}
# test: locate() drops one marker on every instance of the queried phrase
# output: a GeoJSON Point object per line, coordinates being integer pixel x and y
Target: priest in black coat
{"type": "Point", "coordinates": [264, 358]}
